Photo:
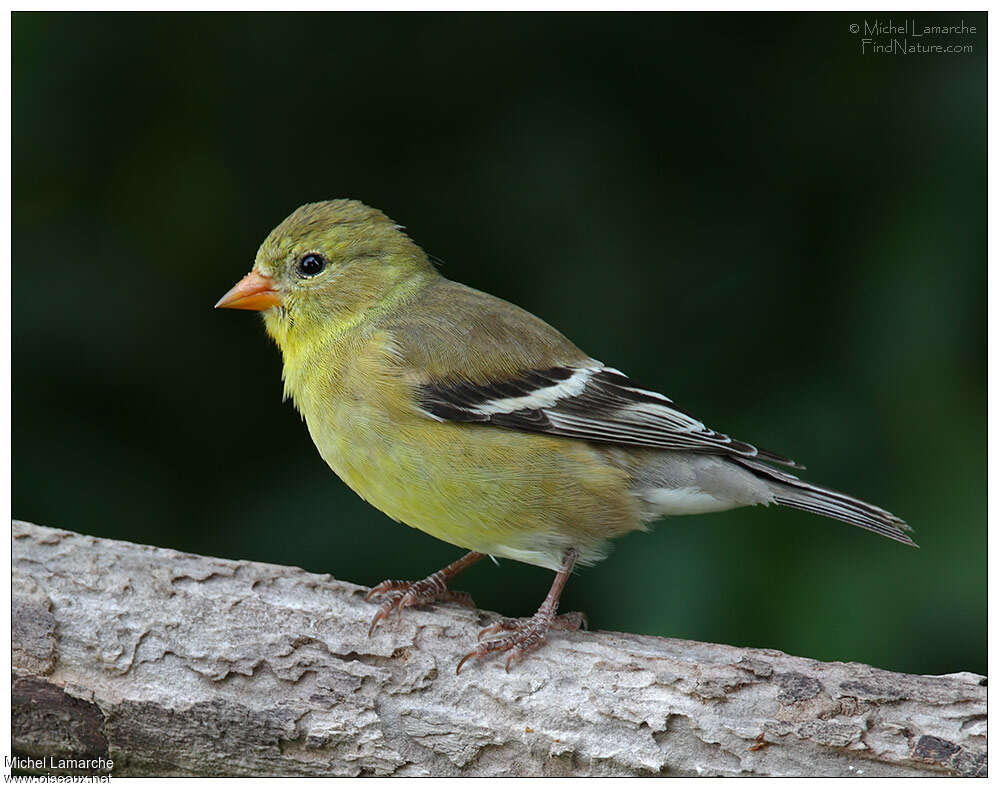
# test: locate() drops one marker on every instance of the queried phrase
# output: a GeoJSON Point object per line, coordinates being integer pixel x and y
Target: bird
{"type": "Point", "coordinates": [469, 418]}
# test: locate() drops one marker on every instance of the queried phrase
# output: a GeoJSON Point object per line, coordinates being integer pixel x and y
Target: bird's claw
{"type": "Point", "coordinates": [574, 620]}
{"type": "Point", "coordinates": [526, 635]}
{"type": "Point", "coordinates": [404, 594]}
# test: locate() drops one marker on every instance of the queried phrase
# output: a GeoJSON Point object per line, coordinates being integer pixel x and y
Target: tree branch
{"type": "Point", "coordinates": [171, 663]}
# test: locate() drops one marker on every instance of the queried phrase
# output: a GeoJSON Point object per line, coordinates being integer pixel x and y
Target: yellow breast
{"type": "Point", "coordinates": [507, 493]}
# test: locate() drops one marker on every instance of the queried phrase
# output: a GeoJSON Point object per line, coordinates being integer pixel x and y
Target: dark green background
{"type": "Point", "coordinates": [783, 234]}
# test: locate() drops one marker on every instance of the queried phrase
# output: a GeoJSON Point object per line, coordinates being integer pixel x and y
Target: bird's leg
{"type": "Point", "coordinates": [403, 594]}
{"type": "Point", "coordinates": [528, 634]}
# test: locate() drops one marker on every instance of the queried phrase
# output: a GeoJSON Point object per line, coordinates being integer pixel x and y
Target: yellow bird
{"type": "Point", "coordinates": [471, 419]}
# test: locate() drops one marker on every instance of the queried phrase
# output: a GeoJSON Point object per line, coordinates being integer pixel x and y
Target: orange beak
{"type": "Point", "coordinates": [253, 292]}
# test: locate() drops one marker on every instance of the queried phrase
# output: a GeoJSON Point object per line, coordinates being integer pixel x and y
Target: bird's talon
{"type": "Point", "coordinates": [526, 635]}
{"type": "Point", "coordinates": [502, 626]}
{"type": "Point", "coordinates": [473, 653]}
{"type": "Point", "coordinates": [574, 620]}
{"type": "Point", "coordinates": [405, 594]}
{"type": "Point", "coordinates": [386, 586]}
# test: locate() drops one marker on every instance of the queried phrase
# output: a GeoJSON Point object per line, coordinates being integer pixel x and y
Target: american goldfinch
{"type": "Point", "coordinates": [470, 419]}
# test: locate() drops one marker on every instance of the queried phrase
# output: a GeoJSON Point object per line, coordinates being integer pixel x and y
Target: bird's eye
{"type": "Point", "coordinates": [311, 264]}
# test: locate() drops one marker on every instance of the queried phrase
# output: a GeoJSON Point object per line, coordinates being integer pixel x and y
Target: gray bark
{"type": "Point", "coordinates": [174, 664]}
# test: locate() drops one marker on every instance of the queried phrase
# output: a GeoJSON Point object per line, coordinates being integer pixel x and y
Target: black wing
{"type": "Point", "coordinates": [592, 403]}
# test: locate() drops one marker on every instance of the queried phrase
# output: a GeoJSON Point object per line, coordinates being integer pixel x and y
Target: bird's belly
{"type": "Point", "coordinates": [517, 495]}
{"type": "Point", "coordinates": [684, 501]}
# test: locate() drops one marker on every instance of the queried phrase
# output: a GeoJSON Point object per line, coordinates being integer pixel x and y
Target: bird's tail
{"type": "Point", "coordinates": [790, 491]}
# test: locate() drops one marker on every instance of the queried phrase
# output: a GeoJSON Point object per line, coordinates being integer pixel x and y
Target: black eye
{"type": "Point", "coordinates": [311, 264]}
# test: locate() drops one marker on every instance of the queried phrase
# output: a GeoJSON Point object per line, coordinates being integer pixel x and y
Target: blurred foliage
{"type": "Point", "coordinates": [785, 235]}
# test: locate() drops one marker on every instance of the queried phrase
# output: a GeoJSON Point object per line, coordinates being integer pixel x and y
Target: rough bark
{"type": "Point", "coordinates": [174, 664]}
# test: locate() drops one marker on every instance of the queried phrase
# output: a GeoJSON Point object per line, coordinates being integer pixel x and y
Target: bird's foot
{"type": "Point", "coordinates": [525, 635]}
{"type": "Point", "coordinates": [403, 594]}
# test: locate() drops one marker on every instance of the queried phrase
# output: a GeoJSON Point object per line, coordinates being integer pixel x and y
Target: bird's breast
{"type": "Point", "coordinates": [509, 493]}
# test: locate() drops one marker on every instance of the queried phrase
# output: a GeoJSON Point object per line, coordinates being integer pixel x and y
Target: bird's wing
{"type": "Point", "coordinates": [475, 358]}
{"type": "Point", "coordinates": [588, 401]}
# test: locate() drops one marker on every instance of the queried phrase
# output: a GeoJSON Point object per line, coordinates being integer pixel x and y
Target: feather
{"type": "Point", "coordinates": [586, 401]}
{"type": "Point", "coordinates": [790, 491]}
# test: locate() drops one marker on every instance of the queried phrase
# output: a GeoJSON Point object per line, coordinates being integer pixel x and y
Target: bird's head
{"type": "Point", "coordinates": [324, 266]}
